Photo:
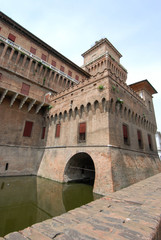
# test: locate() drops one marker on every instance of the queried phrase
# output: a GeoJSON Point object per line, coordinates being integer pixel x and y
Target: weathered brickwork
{"type": "Point", "coordinates": [68, 123]}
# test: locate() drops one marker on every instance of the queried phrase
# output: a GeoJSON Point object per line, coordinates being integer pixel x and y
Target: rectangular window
{"type": "Point", "coordinates": [11, 37]}
{"type": "Point", "coordinates": [82, 132]}
{"type": "Point", "coordinates": [77, 77]}
{"type": "Point", "coordinates": [25, 89]}
{"type": "Point", "coordinates": [150, 142]}
{"type": "Point", "coordinates": [62, 68]}
{"type": "Point", "coordinates": [140, 141]}
{"type": "Point", "coordinates": [70, 73]}
{"type": "Point", "coordinates": [53, 63]}
{"type": "Point", "coordinates": [33, 50]}
{"type": "Point", "coordinates": [43, 133]}
{"type": "Point", "coordinates": [28, 129]}
{"type": "Point", "coordinates": [126, 134]}
{"type": "Point", "coordinates": [57, 133]}
{"type": "Point", "coordinates": [43, 57]}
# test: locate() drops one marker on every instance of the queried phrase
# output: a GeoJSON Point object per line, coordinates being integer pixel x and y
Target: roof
{"type": "Point", "coordinates": [24, 31]}
{"type": "Point", "coordinates": [143, 85]}
{"type": "Point", "coordinates": [98, 43]}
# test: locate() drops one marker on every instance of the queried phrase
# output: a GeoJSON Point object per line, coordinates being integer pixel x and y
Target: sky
{"type": "Point", "coordinates": [72, 27]}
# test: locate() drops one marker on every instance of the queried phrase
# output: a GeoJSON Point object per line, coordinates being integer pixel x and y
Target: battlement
{"type": "Point", "coordinates": [97, 79]}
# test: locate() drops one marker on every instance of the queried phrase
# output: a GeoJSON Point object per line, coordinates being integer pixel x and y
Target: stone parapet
{"type": "Point", "coordinates": [131, 213]}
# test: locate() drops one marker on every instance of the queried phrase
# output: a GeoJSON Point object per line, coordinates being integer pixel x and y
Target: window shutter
{"type": "Point", "coordinates": [33, 50]}
{"type": "Point", "coordinates": [57, 130]}
{"type": "Point", "coordinates": [62, 68]}
{"type": "Point", "coordinates": [82, 128]}
{"type": "Point", "coordinates": [43, 57]}
{"type": "Point", "coordinates": [27, 129]}
{"type": "Point", "coordinates": [77, 77]}
{"type": "Point", "coordinates": [11, 37]}
{"type": "Point", "coordinates": [69, 73]}
{"type": "Point", "coordinates": [43, 133]}
{"type": "Point", "coordinates": [53, 63]}
{"type": "Point", "coordinates": [125, 131]}
{"type": "Point", "coordinates": [25, 89]}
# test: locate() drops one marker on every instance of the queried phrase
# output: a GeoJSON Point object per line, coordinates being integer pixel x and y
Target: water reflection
{"type": "Point", "coordinates": [27, 200]}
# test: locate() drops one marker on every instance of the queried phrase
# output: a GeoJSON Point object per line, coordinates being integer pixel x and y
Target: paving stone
{"type": "Point", "coordinates": [33, 234]}
{"type": "Point", "coordinates": [63, 237]}
{"type": "Point", "coordinates": [15, 236]}
{"type": "Point", "coordinates": [50, 228]}
{"type": "Point", "coordinates": [77, 235]}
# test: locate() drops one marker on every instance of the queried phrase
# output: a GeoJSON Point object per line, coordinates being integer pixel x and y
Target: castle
{"type": "Point", "coordinates": [68, 123]}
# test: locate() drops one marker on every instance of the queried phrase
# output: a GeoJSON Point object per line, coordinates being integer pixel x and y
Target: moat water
{"type": "Point", "coordinates": [28, 200]}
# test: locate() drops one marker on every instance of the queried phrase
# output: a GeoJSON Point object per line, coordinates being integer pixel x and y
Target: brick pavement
{"type": "Point", "coordinates": [133, 213]}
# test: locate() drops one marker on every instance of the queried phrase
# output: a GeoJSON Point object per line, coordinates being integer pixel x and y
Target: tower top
{"type": "Point", "coordinates": [101, 47]}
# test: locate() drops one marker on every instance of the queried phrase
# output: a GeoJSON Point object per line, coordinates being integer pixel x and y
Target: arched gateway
{"type": "Point", "coordinates": [80, 168]}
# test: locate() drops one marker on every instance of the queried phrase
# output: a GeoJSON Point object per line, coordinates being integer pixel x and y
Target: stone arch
{"type": "Point", "coordinates": [129, 115]}
{"type": "Point", "coordinates": [125, 112]}
{"type": "Point", "coordinates": [55, 118]}
{"type": "Point", "coordinates": [80, 168]}
{"type": "Point", "coordinates": [76, 112]}
{"type": "Point", "coordinates": [104, 104]}
{"type": "Point", "coordinates": [96, 105]}
{"type": "Point", "coordinates": [14, 56]}
{"type": "Point", "coordinates": [98, 66]}
{"type": "Point", "coordinates": [132, 117]}
{"type": "Point", "coordinates": [56, 77]}
{"type": "Point", "coordinates": [82, 110]}
{"type": "Point", "coordinates": [8, 52]}
{"type": "Point", "coordinates": [65, 115]}
{"type": "Point", "coordinates": [145, 123]}
{"type": "Point", "coordinates": [68, 84]}
{"type": "Point", "coordinates": [111, 106]}
{"type": "Point", "coordinates": [42, 71]}
{"type": "Point", "coordinates": [64, 82]}
{"type": "Point", "coordinates": [33, 68]}
{"type": "Point", "coordinates": [89, 107]}
{"type": "Point", "coordinates": [21, 59]}
{"type": "Point", "coordinates": [60, 80]}
{"type": "Point", "coordinates": [60, 116]}
{"type": "Point", "coordinates": [136, 118]}
{"type": "Point", "coordinates": [117, 107]}
{"type": "Point", "coordinates": [120, 110]}
{"type": "Point", "coordinates": [1, 48]}
{"type": "Point", "coordinates": [70, 113]}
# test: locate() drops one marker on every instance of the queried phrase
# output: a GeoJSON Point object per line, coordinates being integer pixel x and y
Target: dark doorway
{"type": "Point", "coordinates": [80, 168]}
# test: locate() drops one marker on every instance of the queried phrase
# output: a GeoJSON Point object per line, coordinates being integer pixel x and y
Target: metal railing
{"type": "Point", "coordinates": [29, 54]}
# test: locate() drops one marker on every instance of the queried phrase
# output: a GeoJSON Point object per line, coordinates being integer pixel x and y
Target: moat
{"type": "Point", "coordinates": [28, 200]}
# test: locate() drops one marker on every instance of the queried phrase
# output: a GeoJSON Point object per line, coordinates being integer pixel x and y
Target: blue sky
{"type": "Point", "coordinates": [72, 27]}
